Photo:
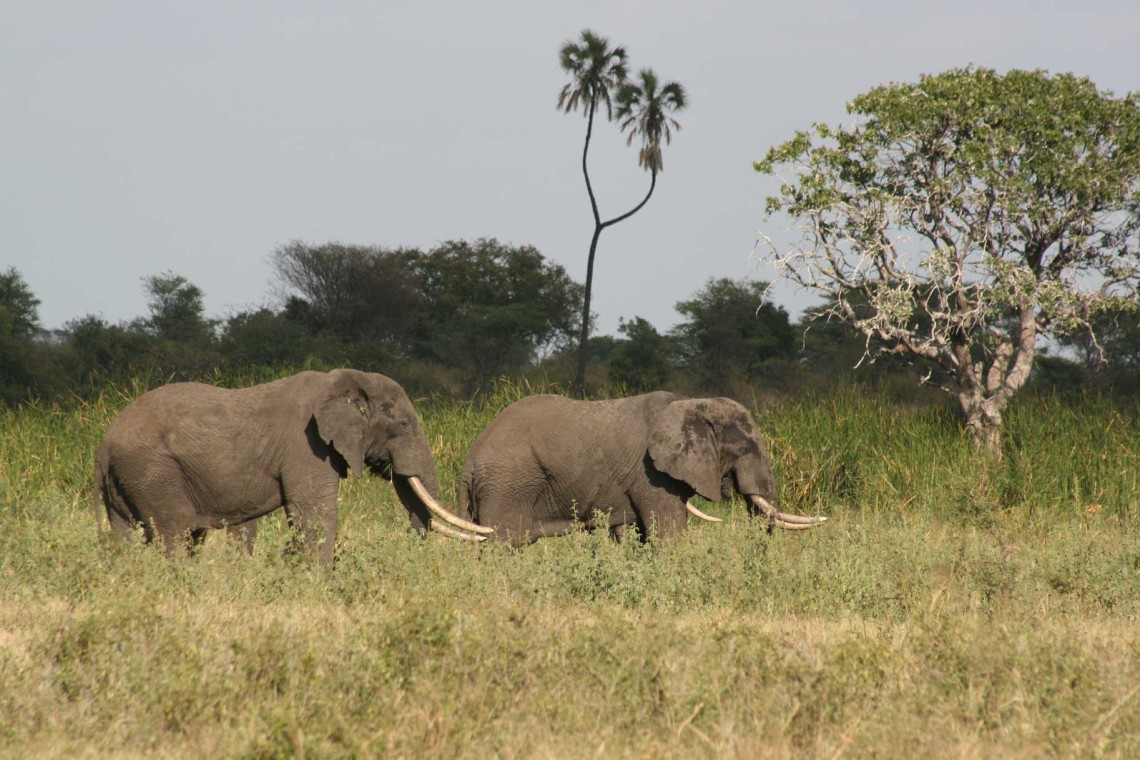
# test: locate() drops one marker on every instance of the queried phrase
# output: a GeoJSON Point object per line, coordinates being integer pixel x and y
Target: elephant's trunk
{"type": "Point", "coordinates": [783, 519]}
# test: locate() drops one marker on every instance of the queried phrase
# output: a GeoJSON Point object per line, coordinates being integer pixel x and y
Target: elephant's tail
{"type": "Point", "coordinates": [104, 491]}
{"type": "Point", "coordinates": [113, 513]}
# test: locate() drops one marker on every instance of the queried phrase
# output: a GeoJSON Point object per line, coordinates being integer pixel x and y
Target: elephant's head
{"type": "Point", "coordinates": [714, 447]}
{"type": "Point", "coordinates": [370, 421]}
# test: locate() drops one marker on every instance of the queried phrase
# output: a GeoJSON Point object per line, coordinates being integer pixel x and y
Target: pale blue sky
{"type": "Point", "coordinates": [140, 136]}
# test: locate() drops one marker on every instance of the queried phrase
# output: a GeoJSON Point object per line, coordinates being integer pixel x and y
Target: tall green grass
{"type": "Point", "coordinates": [950, 607]}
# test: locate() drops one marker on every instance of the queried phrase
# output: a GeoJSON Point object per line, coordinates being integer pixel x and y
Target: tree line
{"type": "Point", "coordinates": [456, 318]}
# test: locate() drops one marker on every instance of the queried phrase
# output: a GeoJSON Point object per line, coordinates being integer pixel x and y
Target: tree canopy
{"type": "Point", "coordinates": [353, 292]}
{"type": "Point", "coordinates": [729, 332]}
{"type": "Point", "coordinates": [643, 360]}
{"type": "Point", "coordinates": [492, 308]}
{"type": "Point", "coordinates": [481, 308]}
{"type": "Point", "coordinates": [19, 321]}
{"type": "Point", "coordinates": [965, 216]}
{"type": "Point", "coordinates": [19, 307]}
{"type": "Point", "coordinates": [177, 309]}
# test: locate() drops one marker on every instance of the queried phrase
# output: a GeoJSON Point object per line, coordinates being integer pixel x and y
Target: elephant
{"type": "Point", "coordinates": [188, 457]}
{"type": "Point", "coordinates": [547, 462]}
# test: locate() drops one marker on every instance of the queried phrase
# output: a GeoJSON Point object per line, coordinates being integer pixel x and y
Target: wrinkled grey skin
{"type": "Point", "coordinates": [187, 457]}
{"type": "Point", "coordinates": [546, 462]}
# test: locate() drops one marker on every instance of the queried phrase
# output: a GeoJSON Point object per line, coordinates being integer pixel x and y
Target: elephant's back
{"type": "Point", "coordinates": [547, 441]}
{"type": "Point", "coordinates": [546, 416]}
{"type": "Point", "coordinates": [166, 406]}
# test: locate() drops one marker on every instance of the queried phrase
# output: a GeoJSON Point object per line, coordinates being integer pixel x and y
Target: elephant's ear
{"type": "Point", "coordinates": [683, 445]}
{"type": "Point", "coordinates": [342, 418]}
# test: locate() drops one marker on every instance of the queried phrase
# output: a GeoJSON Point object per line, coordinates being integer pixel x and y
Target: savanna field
{"type": "Point", "coordinates": [951, 607]}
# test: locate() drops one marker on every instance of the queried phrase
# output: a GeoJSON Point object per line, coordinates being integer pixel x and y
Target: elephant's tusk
{"type": "Point", "coordinates": [698, 513]}
{"type": "Point", "coordinates": [791, 525]}
{"type": "Point", "coordinates": [447, 530]}
{"type": "Point", "coordinates": [441, 512]}
{"type": "Point", "coordinates": [783, 520]}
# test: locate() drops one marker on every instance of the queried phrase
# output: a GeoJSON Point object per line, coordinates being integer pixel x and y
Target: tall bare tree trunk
{"type": "Point", "coordinates": [599, 225]}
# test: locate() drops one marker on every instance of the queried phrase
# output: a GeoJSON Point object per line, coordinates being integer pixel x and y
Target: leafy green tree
{"type": "Point", "coordinates": [177, 312]}
{"type": "Point", "coordinates": [355, 293]}
{"type": "Point", "coordinates": [643, 110]}
{"type": "Point", "coordinates": [1109, 351]}
{"type": "Point", "coordinates": [19, 307]}
{"type": "Point", "coordinates": [492, 308]}
{"type": "Point", "coordinates": [264, 338]}
{"type": "Point", "coordinates": [19, 322]}
{"type": "Point", "coordinates": [828, 349]}
{"type": "Point", "coordinates": [479, 309]}
{"type": "Point", "coordinates": [643, 360]}
{"type": "Point", "coordinates": [973, 213]}
{"type": "Point", "coordinates": [730, 331]}
{"type": "Point", "coordinates": [186, 342]}
{"type": "Point", "coordinates": [95, 351]}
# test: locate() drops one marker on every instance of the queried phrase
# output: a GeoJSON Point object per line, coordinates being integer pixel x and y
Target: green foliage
{"type": "Point", "coordinates": [493, 308]}
{"type": "Point", "coordinates": [1108, 350]}
{"type": "Point", "coordinates": [967, 215]}
{"type": "Point", "coordinates": [595, 69]}
{"type": "Point", "coordinates": [643, 109]}
{"type": "Point", "coordinates": [21, 364]}
{"type": "Point", "coordinates": [265, 338]}
{"type": "Point", "coordinates": [19, 307]}
{"type": "Point", "coordinates": [452, 319]}
{"type": "Point", "coordinates": [177, 312]}
{"type": "Point", "coordinates": [353, 293]}
{"type": "Point", "coordinates": [729, 332]}
{"type": "Point", "coordinates": [480, 309]}
{"type": "Point", "coordinates": [640, 362]}
{"type": "Point", "coordinates": [912, 623]}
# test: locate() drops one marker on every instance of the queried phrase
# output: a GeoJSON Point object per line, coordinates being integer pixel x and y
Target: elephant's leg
{"type": "Point", "coordinates": [197, 536]}
{"type": "Point", "coordinates": [316, 529]}
{"type": "Point", "coordinates": [621, 519]}
{"type": "Point", "coordinates": [325, 534]}
{"type": "Point", "coordinates": [121, 526]}
{"type": "Point", "coordinates": [174, 524]}
{"type": "Point", "coordinates": [313, 512]}
{"type": "Point", "coordinates": [623, 531]}
{"type": "Point", "coordinates": [175, 537]}
{"type": "Point", "coordinates": [245, 533]}
{"type": "Point", "coordinates": [661, 518]}
{"type": "Point", "coordinates": [518, 533]}
{"type": "Point", "coordinates": [516, 524]}
{"type": "Point", "coordinates": [555, 526]}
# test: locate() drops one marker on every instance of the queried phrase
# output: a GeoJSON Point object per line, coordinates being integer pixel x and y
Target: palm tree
{"type": "Point", "coordinates": [644, 109]}
{"type": "Point", "coordinates": [597, 68]}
